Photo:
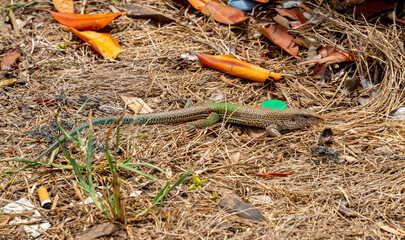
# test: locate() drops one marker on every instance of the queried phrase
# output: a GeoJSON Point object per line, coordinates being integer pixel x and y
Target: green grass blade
{"type": "Point", "coordinates": [150, 177]}
{"type": "Point", "coordinates": [145, 164]}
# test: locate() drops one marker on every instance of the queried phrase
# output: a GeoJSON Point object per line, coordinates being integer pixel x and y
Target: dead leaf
{"type": "Point", "coordinates": [329, 56]}
{"type": "Point", "coordinates": [242, 209]}
{"type": "Point", "coordinates": [9, 59]}
{"type": "Point", "coordinates": [8, 82]}
{"type": "Point", "coordinates": [139, 11]}
{"type": "Point", "coordinates": [136, 104]}
{"type": "Point", "coordinates": [325, 137]}
{"type": "Point", "coordinates": [279, 36]}
{"type": "Point", "coordinates": [84, 21]}
{"type": "Point", "coordinates": [392, 230]}
{"type": "Point", "coordinates": [235, 158]}
{"type": "Point", "coordinates": [398, 20]}
{"type": "Point", "coordinates": [104, 229]}
{"type": "Point", "coordinates": [257, 133]}
{"type": "Point", "coordinates": [223, 13]}
{"type": "Point", "coordinates": [236, 67]}
{"type": "Point", "coordinates": [347, 212]}
{"type": "Point", "coordinates": [372, 8]}
{"type": "Point", "coordinates": [293, 13]}
{"type": "Point", "coordinates": [64, 5]}
{"type": "Point", "coordinates": [103, 43]}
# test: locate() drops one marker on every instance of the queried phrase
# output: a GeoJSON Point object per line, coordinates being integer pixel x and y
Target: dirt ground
{"type": "Point", "coordinates": [359, 195]}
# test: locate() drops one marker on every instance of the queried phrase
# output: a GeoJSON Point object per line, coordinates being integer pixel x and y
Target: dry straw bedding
{"type": "Point", "coordinates": [303, 206]}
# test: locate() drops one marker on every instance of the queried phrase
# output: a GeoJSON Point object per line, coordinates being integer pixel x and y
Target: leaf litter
{"type": "Point", "coordinates": [151, 68]}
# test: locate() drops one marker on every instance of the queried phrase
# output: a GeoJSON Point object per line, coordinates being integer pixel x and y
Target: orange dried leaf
{"type": "Point", "coordinates": [272, 174]}
{"type": "Point", "coordinates": [279, 36]}
{"type": "Point", "coordinates": [9, 59]}
{"type": "Point", "coordinates": [223, 13]}
{"type": "Point", "coordinates": [236, 67]}
{"type": "Point", "coordinates": [64, 5]}
{"type": "Point", "coordinates": [103, 43]}
{"type": "Point", "coordinates": [198, 4]}
{"type": "Point", "coordinates": [84, 21]}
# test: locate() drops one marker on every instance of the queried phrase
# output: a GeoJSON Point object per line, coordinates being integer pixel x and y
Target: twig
{"type": "Point", "coordinates": [206, 43]}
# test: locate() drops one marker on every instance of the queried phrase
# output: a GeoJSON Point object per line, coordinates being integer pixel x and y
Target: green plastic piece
{"type": "Point", "coordinates": [274, 104]}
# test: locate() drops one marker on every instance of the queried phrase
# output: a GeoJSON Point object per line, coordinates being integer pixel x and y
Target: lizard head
{"type": "Point", "coordinates": [300, 118]}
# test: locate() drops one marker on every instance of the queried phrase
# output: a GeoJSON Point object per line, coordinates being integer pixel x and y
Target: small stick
{"type": "Point", "coordinates": [206, 43]}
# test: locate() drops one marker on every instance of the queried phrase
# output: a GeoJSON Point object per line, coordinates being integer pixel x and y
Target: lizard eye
{"type": "Point", "coordinates": [305, 116]}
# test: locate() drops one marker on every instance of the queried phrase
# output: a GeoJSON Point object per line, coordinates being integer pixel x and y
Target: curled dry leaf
{"type": "Point", "coordinates": [329, 56]}
{"type": "Point", "coordinates": [236, 67]}
{"type": "Point", "coordinates": [84, 21]}
{"type": "Point", "coordinates": [279, 36]}
{"type": "Point", "coordinates": [9, 59]}
{"type": "Point", "coordinates": [219, 12]}
{"type": "Point", "coordinates": [293, 13]}
{"type": "Point", "coordinates": [271, 174]}
{"type": "Point", "coordinates": [64, 5]}
{"type": "Point", "coordinates": [103, 43]}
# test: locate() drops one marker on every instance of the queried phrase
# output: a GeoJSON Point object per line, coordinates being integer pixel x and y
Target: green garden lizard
{"type": "Point", "coordinates": [209, 113]}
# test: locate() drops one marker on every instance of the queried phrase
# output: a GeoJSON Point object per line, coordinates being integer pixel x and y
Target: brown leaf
{"type": "Point", "coordinates": [393, 230]}
{"type": "Point", "coordinates": [326, 136]}
{"type": "Point", "coordinates": [235, 158]}
{"type": "Point", "coordinates": [104, 229]}
{"type": "Point", "coordinates": [398, 20]}
{"type": "Point", "coordinates": [242, 209]}
{"type": "Point", "coordinates": [9, 59]}
{"type": "Point", "coordinates": [257, 133]}
{"type": "Point", "coordinates": [279, 36]}
{"type": "Point", "coordinates": [223, 13]}
{"type": "Point", "coordinates": [372, 8]}
{"type": "Point", "coordinates": [293, 13]}
{"type": "Point", "coordinates": [138, 11]}
{"type": "Point", "coordinates": [136, 104]}
{"type": "Point", "coordinates": [64, 5]}
{"type": "Point", "coordinates": [347, 212]}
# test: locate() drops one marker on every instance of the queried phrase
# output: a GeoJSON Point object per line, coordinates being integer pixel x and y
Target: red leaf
{"type": "Point", "coordinates": [279, 36]}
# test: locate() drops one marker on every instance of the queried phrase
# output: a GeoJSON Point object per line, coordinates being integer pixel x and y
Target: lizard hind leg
{"type": "Point", "coordinates": [273, 132]}
{"type": "Point", "coordinates": [202, 123]}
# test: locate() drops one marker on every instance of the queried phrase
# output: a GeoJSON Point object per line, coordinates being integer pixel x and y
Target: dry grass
{"type": "Point", "coordinates": [303, 206]}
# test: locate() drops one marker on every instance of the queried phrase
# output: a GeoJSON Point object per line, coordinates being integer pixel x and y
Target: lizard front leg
{"type": "Point", "coordinates": [202, 123]}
